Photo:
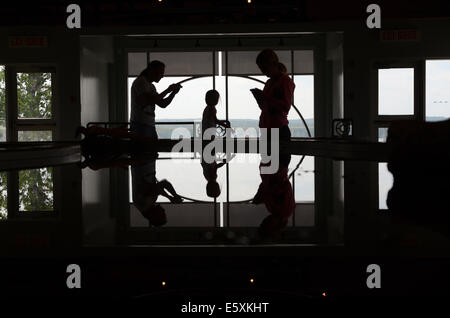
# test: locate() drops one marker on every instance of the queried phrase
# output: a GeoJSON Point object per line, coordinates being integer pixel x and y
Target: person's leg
{"type": "Point", "coordinates": [285, 133]}
{"type": "Point", "coordinates": [143, 130]}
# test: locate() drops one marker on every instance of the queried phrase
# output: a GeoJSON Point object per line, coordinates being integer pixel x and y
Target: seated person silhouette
{"type": "Point", "coordinates": [210, 174]}
{"type": "Point", "coordinates": [276, 192]}
{"type": "Point", "coordinates": [147, 189]}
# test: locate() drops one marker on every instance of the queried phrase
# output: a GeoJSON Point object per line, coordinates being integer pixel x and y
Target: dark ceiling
{"type": "Point", "coordinates": [193, 12]}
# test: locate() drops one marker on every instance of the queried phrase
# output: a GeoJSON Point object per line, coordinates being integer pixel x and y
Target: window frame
{"type": "Point", "coordinates": [15, 124]}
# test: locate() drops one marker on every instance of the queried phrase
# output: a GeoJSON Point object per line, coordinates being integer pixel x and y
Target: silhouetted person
{"type": "Point", "coordinates": [275, 99]}
{"type": "Point", "coordinates": [144, 97]}
{"type": "Point", "coordinates": [419, 162]}
{"type": "Point", "coordinates": [209, 118]}
{"type": "Point", "coordinates": [146, 189]}
{"type": "Point", "coordinates": [210, 174]}
{"type": "Point", "coordinates": [276, 192]}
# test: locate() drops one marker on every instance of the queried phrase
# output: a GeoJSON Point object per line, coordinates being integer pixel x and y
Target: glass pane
{"type": "Point", "coordinates": [243, 111]}
{"type": "Point", "coordinates": [34, 95]}
{"type": "Point", "coordinates": [137, 62]}
{"type": "Point", "coordinates": [382, 134]}
{"type": "Point", "coordinates": [2, 104]}
{"type": "Point", "coordinates": [188, 104]}
{"type": "Point", "coordinates": [303, 62]}
{"type": "Point", "coordinates": [36, 190]}
{"type": "Point", "coordinates": [304, 101]}
{"type": "Point", "coordinates": [437, 90]}
{"type": "Point", "coordinates": [40, 135]}
{"type": "Point", "coordinates": [385, 182]}
{"type": "Point", "coordinates": [244, 62]}
{"type": "Point", "coordinates": [185, 63]}
{"type": "Point", "coordinates": [396, 91]}
{"type": "Point", "coordinates": [304, 180]}
{"type": "Point", "coordinates": [244, 176]}
{"type": "Point", "coordinates": [3, 196]}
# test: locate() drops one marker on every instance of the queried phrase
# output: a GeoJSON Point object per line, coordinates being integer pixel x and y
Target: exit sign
{"type": "Point", "coordinates": [399, 35]}
{"type": "Point", "coordinates": [28, 41]}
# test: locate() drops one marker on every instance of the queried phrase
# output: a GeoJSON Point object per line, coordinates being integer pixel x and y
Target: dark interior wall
{"type": "Point", "coordinates": [62, 53]}
{"type": "Point", "coordinates": [362, 48]}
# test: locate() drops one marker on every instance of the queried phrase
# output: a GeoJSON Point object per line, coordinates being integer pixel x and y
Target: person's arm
{"type": "Point", "coordinates": [147, 98]}
{"type": "Point", "coordinates": [220, 165]}
{"type": "Point", "coordinates": [283, 101]}
{"type": "Point", "coordinates": [257, 94]}
{"type": "Point", "coordinates": [164, 102]}
{"type": "Point", "coordinates": [166, 185]}
{"type": "Point", "coordinates": [224, 123]}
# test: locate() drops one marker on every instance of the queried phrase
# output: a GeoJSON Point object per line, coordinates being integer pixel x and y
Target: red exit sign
{"type": "Point", "coordinates": [399, 35]}
{"type": "Point", "coordinates": [27, 41]}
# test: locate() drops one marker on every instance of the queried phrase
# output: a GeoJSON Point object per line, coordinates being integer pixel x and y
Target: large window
{"type": "Point", "coordinates": [396, 91]}
{"type": "Point", "coordinates": [232, 74]}
{"type": "Point", "coordinates": [437, 90]}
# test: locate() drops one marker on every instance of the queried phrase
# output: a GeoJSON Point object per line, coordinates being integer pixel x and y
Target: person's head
{"type": "Point", "coordinates": [154, 71]}
{"type": "Point", "coordinates": [156, 215]}
{"type": "Point", "coordinates": [268, 63]}
{"type": "Point", "coordinates": [212, 97]}
{"type": "Point", "coordinates": [212, 189]}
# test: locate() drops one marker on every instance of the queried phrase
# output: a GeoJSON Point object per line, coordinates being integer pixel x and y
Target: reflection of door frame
{"type": "Point", "coordinates": [380, 121]}
{"type": "Point", "coordinates": [14, 125]}
{"type": "Point", "coordinates": [383, 121]}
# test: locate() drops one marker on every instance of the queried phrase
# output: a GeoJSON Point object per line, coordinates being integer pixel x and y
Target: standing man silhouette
{"type": "Point", "coordinates": [144, 99]}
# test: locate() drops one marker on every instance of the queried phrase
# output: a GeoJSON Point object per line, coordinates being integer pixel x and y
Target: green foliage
{"type": "Point", "coordinates": [34, 95]}
{"type": "Point", "coordinates": [36, 189]}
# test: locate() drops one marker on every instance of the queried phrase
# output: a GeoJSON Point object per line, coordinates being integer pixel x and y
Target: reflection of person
{"type": "Point", "coordinates": [209, 118]}
{"type": "Point", "coordinates": [210, 174]}
{"type": "Point", "coordinates": [146, 189]}
{"type": "Point", "coordinates": [276, 98]}
{"type": "Point", "coordinates": [275, 191]}
{"type": "Point", "coordinates": [144, 97]}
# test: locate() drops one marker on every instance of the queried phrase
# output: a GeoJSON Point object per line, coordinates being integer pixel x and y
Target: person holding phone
{"type": "Point", "coordinates": [144, 99]}
{"type": "Point", "coordinates": [275, 99]}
